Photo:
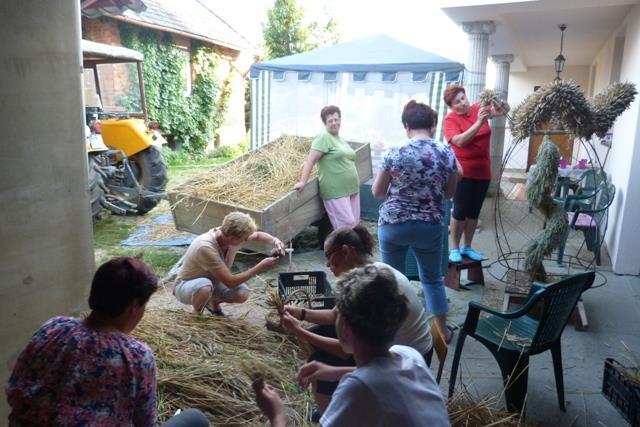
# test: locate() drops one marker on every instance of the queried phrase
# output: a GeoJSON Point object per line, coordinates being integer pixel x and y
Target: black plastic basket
{"type": "Point", "coordinates": [622, 392]}
{"type": "Point", "coordinates": [301, 286]}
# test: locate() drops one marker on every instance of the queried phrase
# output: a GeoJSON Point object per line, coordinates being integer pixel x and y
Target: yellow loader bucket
{"type": "Point", "coordinates": [128, 135]}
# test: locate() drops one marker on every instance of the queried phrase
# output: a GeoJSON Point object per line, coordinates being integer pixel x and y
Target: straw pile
{"type": "Point", "coordinates": [208, 363]}
{"type": "Point", "coordinates": [256, 180]}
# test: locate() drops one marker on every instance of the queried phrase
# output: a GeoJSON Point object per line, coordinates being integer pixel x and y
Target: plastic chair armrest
{"type": "Point", "coordinates": [535, 287]}
{"type": "Point", "coordinates": [520, 311]}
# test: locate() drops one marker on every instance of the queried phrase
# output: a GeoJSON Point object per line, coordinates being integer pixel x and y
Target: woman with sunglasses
{"type": "Point", "coordinates": [345, 249]}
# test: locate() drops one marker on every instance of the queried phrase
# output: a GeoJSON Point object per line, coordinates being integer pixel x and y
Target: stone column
{"type": "Point", "coordinates": [46, 233]}
{"type": "Point", "coordinates": [502, 65]}
{"type": "Point", "coordinates": [475, 75]}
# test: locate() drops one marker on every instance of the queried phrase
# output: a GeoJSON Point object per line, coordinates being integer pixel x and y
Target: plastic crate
{"type": "Point", "coordinates": [623, 393]}
{"type": "Point", "coordinates": [314, 283]}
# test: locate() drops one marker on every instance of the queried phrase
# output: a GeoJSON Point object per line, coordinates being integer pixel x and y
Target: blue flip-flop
{"type": "Point", "coordinates": [455, 256]}
{"type": "Point", "coordinates": [471, 254]}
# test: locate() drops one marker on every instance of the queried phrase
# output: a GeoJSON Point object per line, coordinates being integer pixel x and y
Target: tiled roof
{"type": "Point", "coordinates": [191, 17]}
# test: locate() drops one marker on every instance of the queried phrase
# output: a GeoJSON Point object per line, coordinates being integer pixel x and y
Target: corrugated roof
{"type": "Point", "coordinates": [191, 17]}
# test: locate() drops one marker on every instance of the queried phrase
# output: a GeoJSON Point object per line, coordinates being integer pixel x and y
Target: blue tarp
{"type": "Point", "coordinates": [160, 231]}
{"type": "Point", "coordinates": [379, 53]}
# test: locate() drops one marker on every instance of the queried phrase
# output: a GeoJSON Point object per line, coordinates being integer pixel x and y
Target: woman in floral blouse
{"type": "Point", "coordinates": [415, 180]}
{"type": "Point", "coordinates": [90, 371]}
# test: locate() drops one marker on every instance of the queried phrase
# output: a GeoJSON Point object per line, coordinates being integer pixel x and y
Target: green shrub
{"type": "Point", "coordinates": [182, 157]}
{"type": "Point", "coordinates": [193, 120]}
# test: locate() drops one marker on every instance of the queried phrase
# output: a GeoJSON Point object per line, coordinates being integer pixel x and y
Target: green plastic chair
{"type": "Point", "coordinates": [514, 336]}
{"type": "Point", "coordinates": [588, 218]}
{"type": "Point", "coordinates": [583, 190]}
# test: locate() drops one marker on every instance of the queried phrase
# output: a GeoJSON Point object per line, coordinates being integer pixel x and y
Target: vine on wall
{"type": "Point", "coordinates": [193, 120]}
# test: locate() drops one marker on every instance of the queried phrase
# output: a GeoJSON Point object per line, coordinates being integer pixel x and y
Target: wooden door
{"type": "Point", "coordinates": [561, 139]}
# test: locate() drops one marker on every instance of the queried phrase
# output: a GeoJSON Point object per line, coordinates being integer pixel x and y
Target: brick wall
{"type": "Point", "coordinates": [114, 81]}
{"type": "Point", "coordinates": [101, 31]}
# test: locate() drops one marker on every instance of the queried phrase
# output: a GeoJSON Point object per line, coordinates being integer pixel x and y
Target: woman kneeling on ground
{"type": "Point", "coordinates": [90, 371]}
{"type": "Point", "coordinates": [345, 249]}
{"type": "Point", "coordinates": [392, 384]}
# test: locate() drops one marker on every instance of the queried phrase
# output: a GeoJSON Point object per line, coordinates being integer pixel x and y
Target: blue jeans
{"type": "Point", "coordinates": [426, 241]}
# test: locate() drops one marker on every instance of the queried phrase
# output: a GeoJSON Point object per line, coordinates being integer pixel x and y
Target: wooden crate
{"type": "Point", "coordinates": [284, 218]}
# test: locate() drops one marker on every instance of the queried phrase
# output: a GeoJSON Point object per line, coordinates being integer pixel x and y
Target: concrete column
{"type": "Point", "coordinates": [46, 236]}
{"type": "Point", "coordinates": [475, 75]}
{"type": "Point", "coordinates": [502, 65]}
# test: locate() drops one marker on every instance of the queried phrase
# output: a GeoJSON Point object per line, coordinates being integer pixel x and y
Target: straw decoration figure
{"type": "Point", "coordinates": [608, 105]}
{"type": "Point", "coordinates": [540, 186]}
{"type": "Point", "coordinates": [563, 105]}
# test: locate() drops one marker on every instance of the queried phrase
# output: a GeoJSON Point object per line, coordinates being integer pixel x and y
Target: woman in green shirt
{"type": "Point", "coordinates": [337, 174]}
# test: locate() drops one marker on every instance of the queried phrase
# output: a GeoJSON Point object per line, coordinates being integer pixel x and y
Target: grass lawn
{"type": "Point", "coordinates": [111, 230]}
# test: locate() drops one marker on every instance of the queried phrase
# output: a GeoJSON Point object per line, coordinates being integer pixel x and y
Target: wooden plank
{"type": "Point", "coordinates": [287, 227]}
{"type": "Point", "coordinates": [198, 216]}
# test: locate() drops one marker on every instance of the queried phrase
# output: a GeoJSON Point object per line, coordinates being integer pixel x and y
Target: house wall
{"type": "Point", "coordinates": [46, 236]}
{"type": "Point", "coordinates": [232, 66]}
{"type": "Point", "coordinates": [623, 233]}
{"type": "Point", "coordinates": [520, 86]}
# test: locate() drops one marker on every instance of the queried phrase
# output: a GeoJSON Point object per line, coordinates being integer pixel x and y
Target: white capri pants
{"type": "Point", "coordinates": [185, 290]}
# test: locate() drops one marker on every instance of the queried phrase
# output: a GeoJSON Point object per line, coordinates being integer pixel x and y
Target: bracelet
{"type": "Point", "coordinates": [303, 314]}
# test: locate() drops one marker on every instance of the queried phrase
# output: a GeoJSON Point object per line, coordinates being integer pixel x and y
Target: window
{"type": "Point", "coordinates": [389, 77]}
{"type": "Point", "coordinates": [420, 77]}
{"type": "Point", "coordinates": [359, 77]}
{"type": "Point", "coordinates": [254, 74]}
{"type": "Point", "coordinates": [304, 76]}
{"type": "Point", "coordinates": [278, 76]}
{"type": "Point", "coordinates": [186, 71]}
{"type": "Point", "coordinates": [331, 76]}
{"type": "Point", "coordinates": [618, 54]}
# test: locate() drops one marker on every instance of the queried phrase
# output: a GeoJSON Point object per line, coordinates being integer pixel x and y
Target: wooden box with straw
{"type": "Point", "coordinates": [258, 183]}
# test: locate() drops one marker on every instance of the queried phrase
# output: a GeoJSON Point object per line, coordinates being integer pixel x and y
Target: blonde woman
{"type": "Point", "coordinates": [205, 279]}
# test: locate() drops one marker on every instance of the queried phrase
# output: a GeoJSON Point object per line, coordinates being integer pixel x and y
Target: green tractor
{"type": "Point", "coordinates": [126, 170]}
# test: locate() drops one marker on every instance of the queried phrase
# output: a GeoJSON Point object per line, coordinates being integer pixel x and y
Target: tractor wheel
{"type": "Point", "coordinates": [96, 191]}
{"type": "Point", "coordinates": [150, 170]}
